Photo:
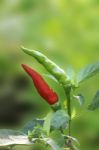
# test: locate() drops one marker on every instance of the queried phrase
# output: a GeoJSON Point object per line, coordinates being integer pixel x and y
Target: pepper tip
{"type": "Point", "coordinates": [23, 48]}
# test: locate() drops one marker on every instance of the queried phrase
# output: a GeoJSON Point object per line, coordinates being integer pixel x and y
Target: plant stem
{"type": "Point", "coordinates": [68, 96]}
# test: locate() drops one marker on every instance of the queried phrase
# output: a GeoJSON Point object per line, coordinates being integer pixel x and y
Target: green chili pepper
{"type": "Point", "coordinates": [50, 66]}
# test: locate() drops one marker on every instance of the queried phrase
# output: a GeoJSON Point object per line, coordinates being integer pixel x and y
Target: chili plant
{"type": "Point", "coordinates": [52, 130]}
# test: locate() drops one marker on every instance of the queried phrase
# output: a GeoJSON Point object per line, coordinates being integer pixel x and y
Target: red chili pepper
{"type": "Point", "coordinates": [42, 87]}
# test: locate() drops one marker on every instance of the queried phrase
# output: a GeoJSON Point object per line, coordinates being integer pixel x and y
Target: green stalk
{"type": "Point", "coordinates": [68, 97]}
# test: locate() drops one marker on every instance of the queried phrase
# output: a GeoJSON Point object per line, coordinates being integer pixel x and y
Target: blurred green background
{"type": "Point", "coordinates": [67, 31]}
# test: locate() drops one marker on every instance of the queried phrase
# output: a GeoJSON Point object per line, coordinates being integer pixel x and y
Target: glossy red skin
{"type": "Point", "coordinates": [42, 87]}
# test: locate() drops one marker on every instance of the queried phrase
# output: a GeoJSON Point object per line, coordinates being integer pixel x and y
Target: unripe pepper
{"type": "Point", "coordinates": [42, 87]}
{"type": "Point", "coordinates": [50, 66]}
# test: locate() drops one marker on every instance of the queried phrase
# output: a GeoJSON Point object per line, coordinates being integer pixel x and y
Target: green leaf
{"type": "Point", "coordinates": [60, 119]}
{"type": "Point", "coordinates": [11, 137]}
{"type": "Point", "coordinates": [38, 132]}
{"type": "Point", "coordinates": [5, 132]}
{"type": "Point", "coordinates": [52, 144]}
{"type": "Point", "coordinates": [47, 122]}
{"type": "Point", "coordinates": [73, 147]}
{"type": "Point", "coordinates": [56, 135]}
{"type": "Point", "coordinates": [80, 98]}
{"type": "Point", "coordinates": [95, 103]}
{"type": "Point", "coordinates": [73, 139]}
{"type": "Point", "coordinates": [70, 72]}
{"type": "Point", "coordinates": [31, 125]}
{"type": "Point", "coordinates": [88, 72]}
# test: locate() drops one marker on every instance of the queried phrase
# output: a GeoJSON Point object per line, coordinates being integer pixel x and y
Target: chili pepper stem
{"type": "Point", "coordinates": [68, 97]}
{"type": "Point", "coordinates": [69, 113]}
